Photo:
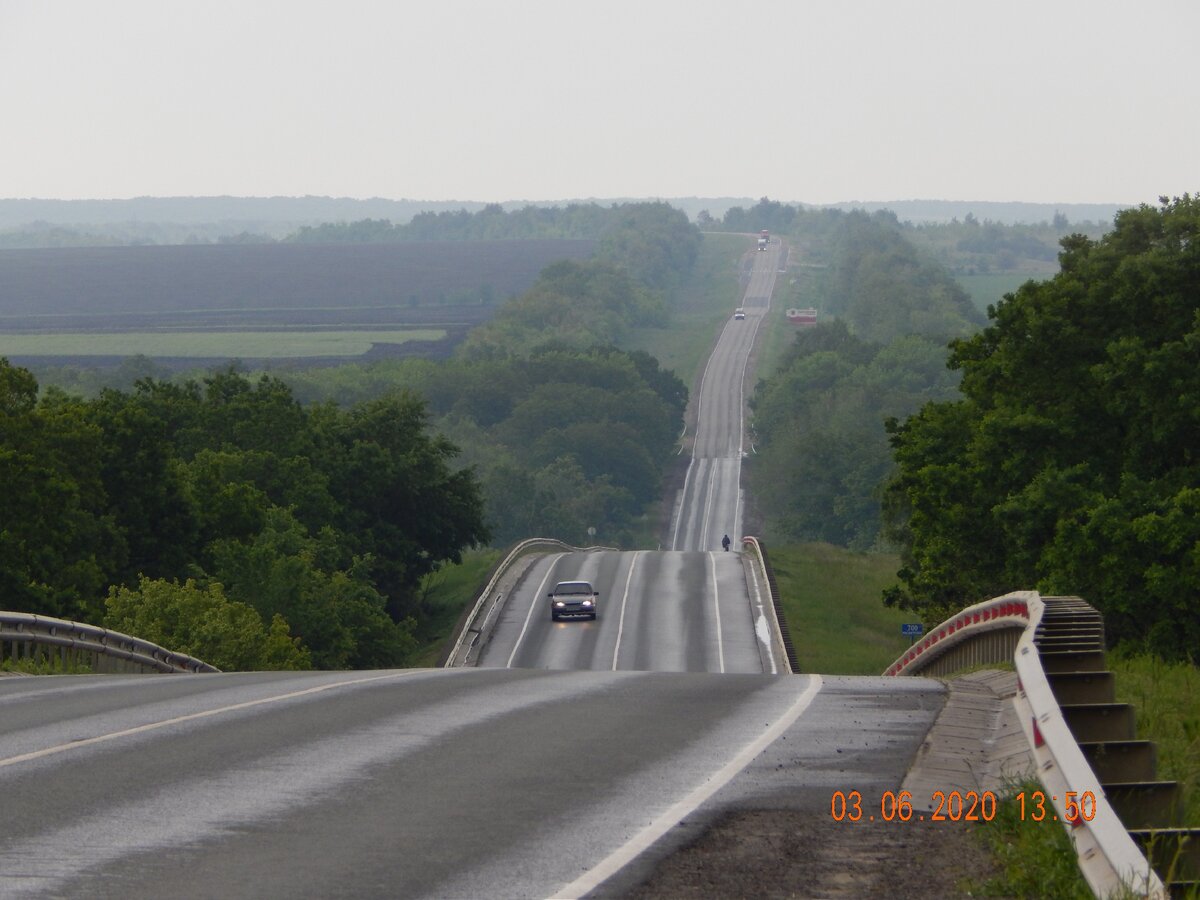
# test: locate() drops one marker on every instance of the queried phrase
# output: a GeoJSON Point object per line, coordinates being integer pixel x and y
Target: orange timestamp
{"type": "Point", "coordinates": [897, 806]}
{"type": "Point", "coordinates": [958, 806]}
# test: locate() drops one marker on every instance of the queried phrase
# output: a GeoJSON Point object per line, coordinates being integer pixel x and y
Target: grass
{"type": "Point", "coordinates": [1036, 859]}
{"type": "Point", "coordinates": [51, 665]}
{"type": "Point", "coordinates": [988, 289]}
{"type": "Point", "coordinates": [1167, 699]}
{"type": "Point", "coordinates": [831, 600]}
{"type": "Point", "coordinates": [445, 593]}
{"type": "Point", "coordinates": [233, 344]}
{"type": "Point", "coordinates": [698, 309]}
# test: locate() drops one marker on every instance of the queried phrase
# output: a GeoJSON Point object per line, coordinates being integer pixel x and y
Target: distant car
{"type": "Point", "coordinates": [739, 313]}
{"type": "Point", "coordinates": [573, 599]}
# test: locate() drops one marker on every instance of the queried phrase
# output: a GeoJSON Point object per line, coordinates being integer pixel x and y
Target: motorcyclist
{"type": "Point", "coordinates": [725, 542]}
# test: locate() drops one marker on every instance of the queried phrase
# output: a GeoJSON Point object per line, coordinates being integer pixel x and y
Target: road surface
{"type": "Point", "coordinates": [413, 783]}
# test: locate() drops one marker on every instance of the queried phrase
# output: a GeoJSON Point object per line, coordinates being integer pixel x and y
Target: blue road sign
{"type": "Point", "coordinates": [912, 629]}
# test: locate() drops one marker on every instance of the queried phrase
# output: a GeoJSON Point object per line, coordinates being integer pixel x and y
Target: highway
{"type": "Point", "coordinates": [711, 506]}
{"type": "Point", "coordinates": [658, 611]}
{"type": "Point", "coordinates": [692, 608]}
{"type": "Point", "coordinates": [413, 783]}
{"type": "Point", "coordinates": [571, 759]}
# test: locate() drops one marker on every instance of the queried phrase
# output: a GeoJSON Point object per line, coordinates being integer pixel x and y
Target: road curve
{"type": "Point", "coordinates": [415, 783]}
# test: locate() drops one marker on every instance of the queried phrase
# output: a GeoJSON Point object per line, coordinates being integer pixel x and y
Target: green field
{"type": "Point", "coordinates": [985, 290]}
{"type": "Point", "coordinates": [832, 602]}
{"type": "Point", "coordinates": [209, 344]}
{"type": "Point", "coordinates": [698, 311]}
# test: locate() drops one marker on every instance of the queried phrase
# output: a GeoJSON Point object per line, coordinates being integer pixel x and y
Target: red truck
{"type": "Point", "coordinates": [764, 238]}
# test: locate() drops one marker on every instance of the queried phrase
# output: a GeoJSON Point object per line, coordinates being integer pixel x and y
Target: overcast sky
{"type": "Point", "coordinates": [820, 102]}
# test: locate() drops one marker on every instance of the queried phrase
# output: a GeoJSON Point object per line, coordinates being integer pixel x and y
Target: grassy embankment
{"type": "Point", "coordinates": [445, 594]}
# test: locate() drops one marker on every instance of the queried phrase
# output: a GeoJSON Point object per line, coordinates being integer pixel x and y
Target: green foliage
{"type": "Point", "coordinates": [973, 248]}
{"type": "Point", "coordinates": [202, 622]}
{"type": "Point", "coordinates": [653, 242]}
{"type": "Point", "coordinates": [55, 538]}
{"type": "Point", "coordinates": [885, 289]}
{"type": "Point", "coordinates": [822, 450]}
{"type": "Point", "coordinates": [1070, 463]}
{"type": "Point", "coordinates": [324, 517]}
{"type": "Point", "coordinates": [830, 599]}
{"type": "Point", "coordinates": [876, 279]}
{"type": "Point", "coordinates": [444, 595]}
{"type": "Point", "coordinates": [572, 304]}
{"type": "Point", "coordinates": [1037, 858]}
{"type": "Point", "coordinates": [1166, 697]}
{"type": "Point", "coordinates": [44, 665]}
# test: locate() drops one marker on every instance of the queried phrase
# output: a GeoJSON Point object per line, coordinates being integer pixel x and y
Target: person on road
{"type": "Point", "coordinates": [725, 542]}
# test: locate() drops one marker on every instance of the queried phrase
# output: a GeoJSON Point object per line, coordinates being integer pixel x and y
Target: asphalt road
{"type": "Point", "coordinates": [711, 503]}
{"type": "Point", "coordinates": [691, 608]}
{"type": "Point", "coordinates": [572, 759]}
{"type": "Point", "coordinates": [417, 783]}
{"type": "Point", "coordinates": [657, 611]}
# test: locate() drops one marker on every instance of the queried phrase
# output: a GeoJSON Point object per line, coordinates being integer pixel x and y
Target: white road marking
{"type": "Point", "coordinates": [529, 615]}
{"type": "Point", "coordinates": [624, 601]}
{"type": "Point", "coordinates": [708, 504]}
{"type": "Point", "coordinates": [682, 502]}
{"type": "Point", "coordinates": [712, 560]}
{"type": "Point", "coordinates": [760, 625]}
{"type": "Point", "coordinates": [624, 855]}
{"type": "Point", "coordinates": [190, 717]}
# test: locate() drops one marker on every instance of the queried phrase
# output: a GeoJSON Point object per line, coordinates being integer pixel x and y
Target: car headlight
{"type": "Point", "coordinates": [587, 602]}
{"type": "Point", "coordinates": [559, 603]}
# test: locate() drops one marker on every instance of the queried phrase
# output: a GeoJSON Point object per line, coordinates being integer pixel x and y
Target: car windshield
{"type": "Point", "coordinates": [573, 587]}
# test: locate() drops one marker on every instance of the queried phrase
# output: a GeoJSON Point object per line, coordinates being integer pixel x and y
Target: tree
{"type": "Point", "coordinates": [201, 621]}
{"type": "Point", "coordinates": [1070, 464]}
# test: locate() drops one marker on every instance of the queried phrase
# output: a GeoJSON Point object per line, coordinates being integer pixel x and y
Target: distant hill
{"type": "Point", "coordinates": [173, 220]}
{"type": "Point", "coordinates": [1004, 213]}
{"type": "Point", "coordinates": [272, 216]}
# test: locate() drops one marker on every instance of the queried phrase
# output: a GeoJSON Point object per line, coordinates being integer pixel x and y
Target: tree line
{"type": "Point", "coordinates": [1069, 463]}
{"type": "Point", "coordinates": [257, 523]}
{"type": "Point", "coordinates": [326, 518]}
{"type": "Point", "coordinates": [887, 312]}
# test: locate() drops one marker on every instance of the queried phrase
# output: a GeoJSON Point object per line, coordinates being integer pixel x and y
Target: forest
{"type": "Point", "coordinates": [271, 521]}
{"type": "Point", "coordinates": [1052, 447]}
{"type": "Point", "coordinates": [1068, 461]}
{"type": "Point", "coordinates": [887, 313]}
{"type": "Point", "coordinates": [259, 525]}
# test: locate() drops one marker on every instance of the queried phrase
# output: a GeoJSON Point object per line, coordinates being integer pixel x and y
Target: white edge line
{"type": "Point", "coordinates": [190, 717]}
{"type": "Point", "coordinates": [624, 855]}
{"type": "Point", "coordinates": [712, 560]}
{"type": "Point", "coordinates": [682, 503]}
{"type": "Point", "coordinates": [706, 518]}
{"type": "Point", "coordinates": [534, 605]}
{"type": "Point", "coordinates": [624, 601]}
{"type": "Point", "coordinates": [763, 616]}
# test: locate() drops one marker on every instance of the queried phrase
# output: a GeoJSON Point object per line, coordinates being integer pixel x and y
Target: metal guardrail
{"type": "Point", "coordinates": [29, 636]}
{"type": "Point", "coordinates": [475, 622]}
{"type": "Point", "coordinates": [778, 626]}
{"type": "Point", "coordinates": [1109, 858]}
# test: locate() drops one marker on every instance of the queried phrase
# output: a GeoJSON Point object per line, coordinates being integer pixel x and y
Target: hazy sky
{"type": "Point", "coordinates": [824, 101]}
